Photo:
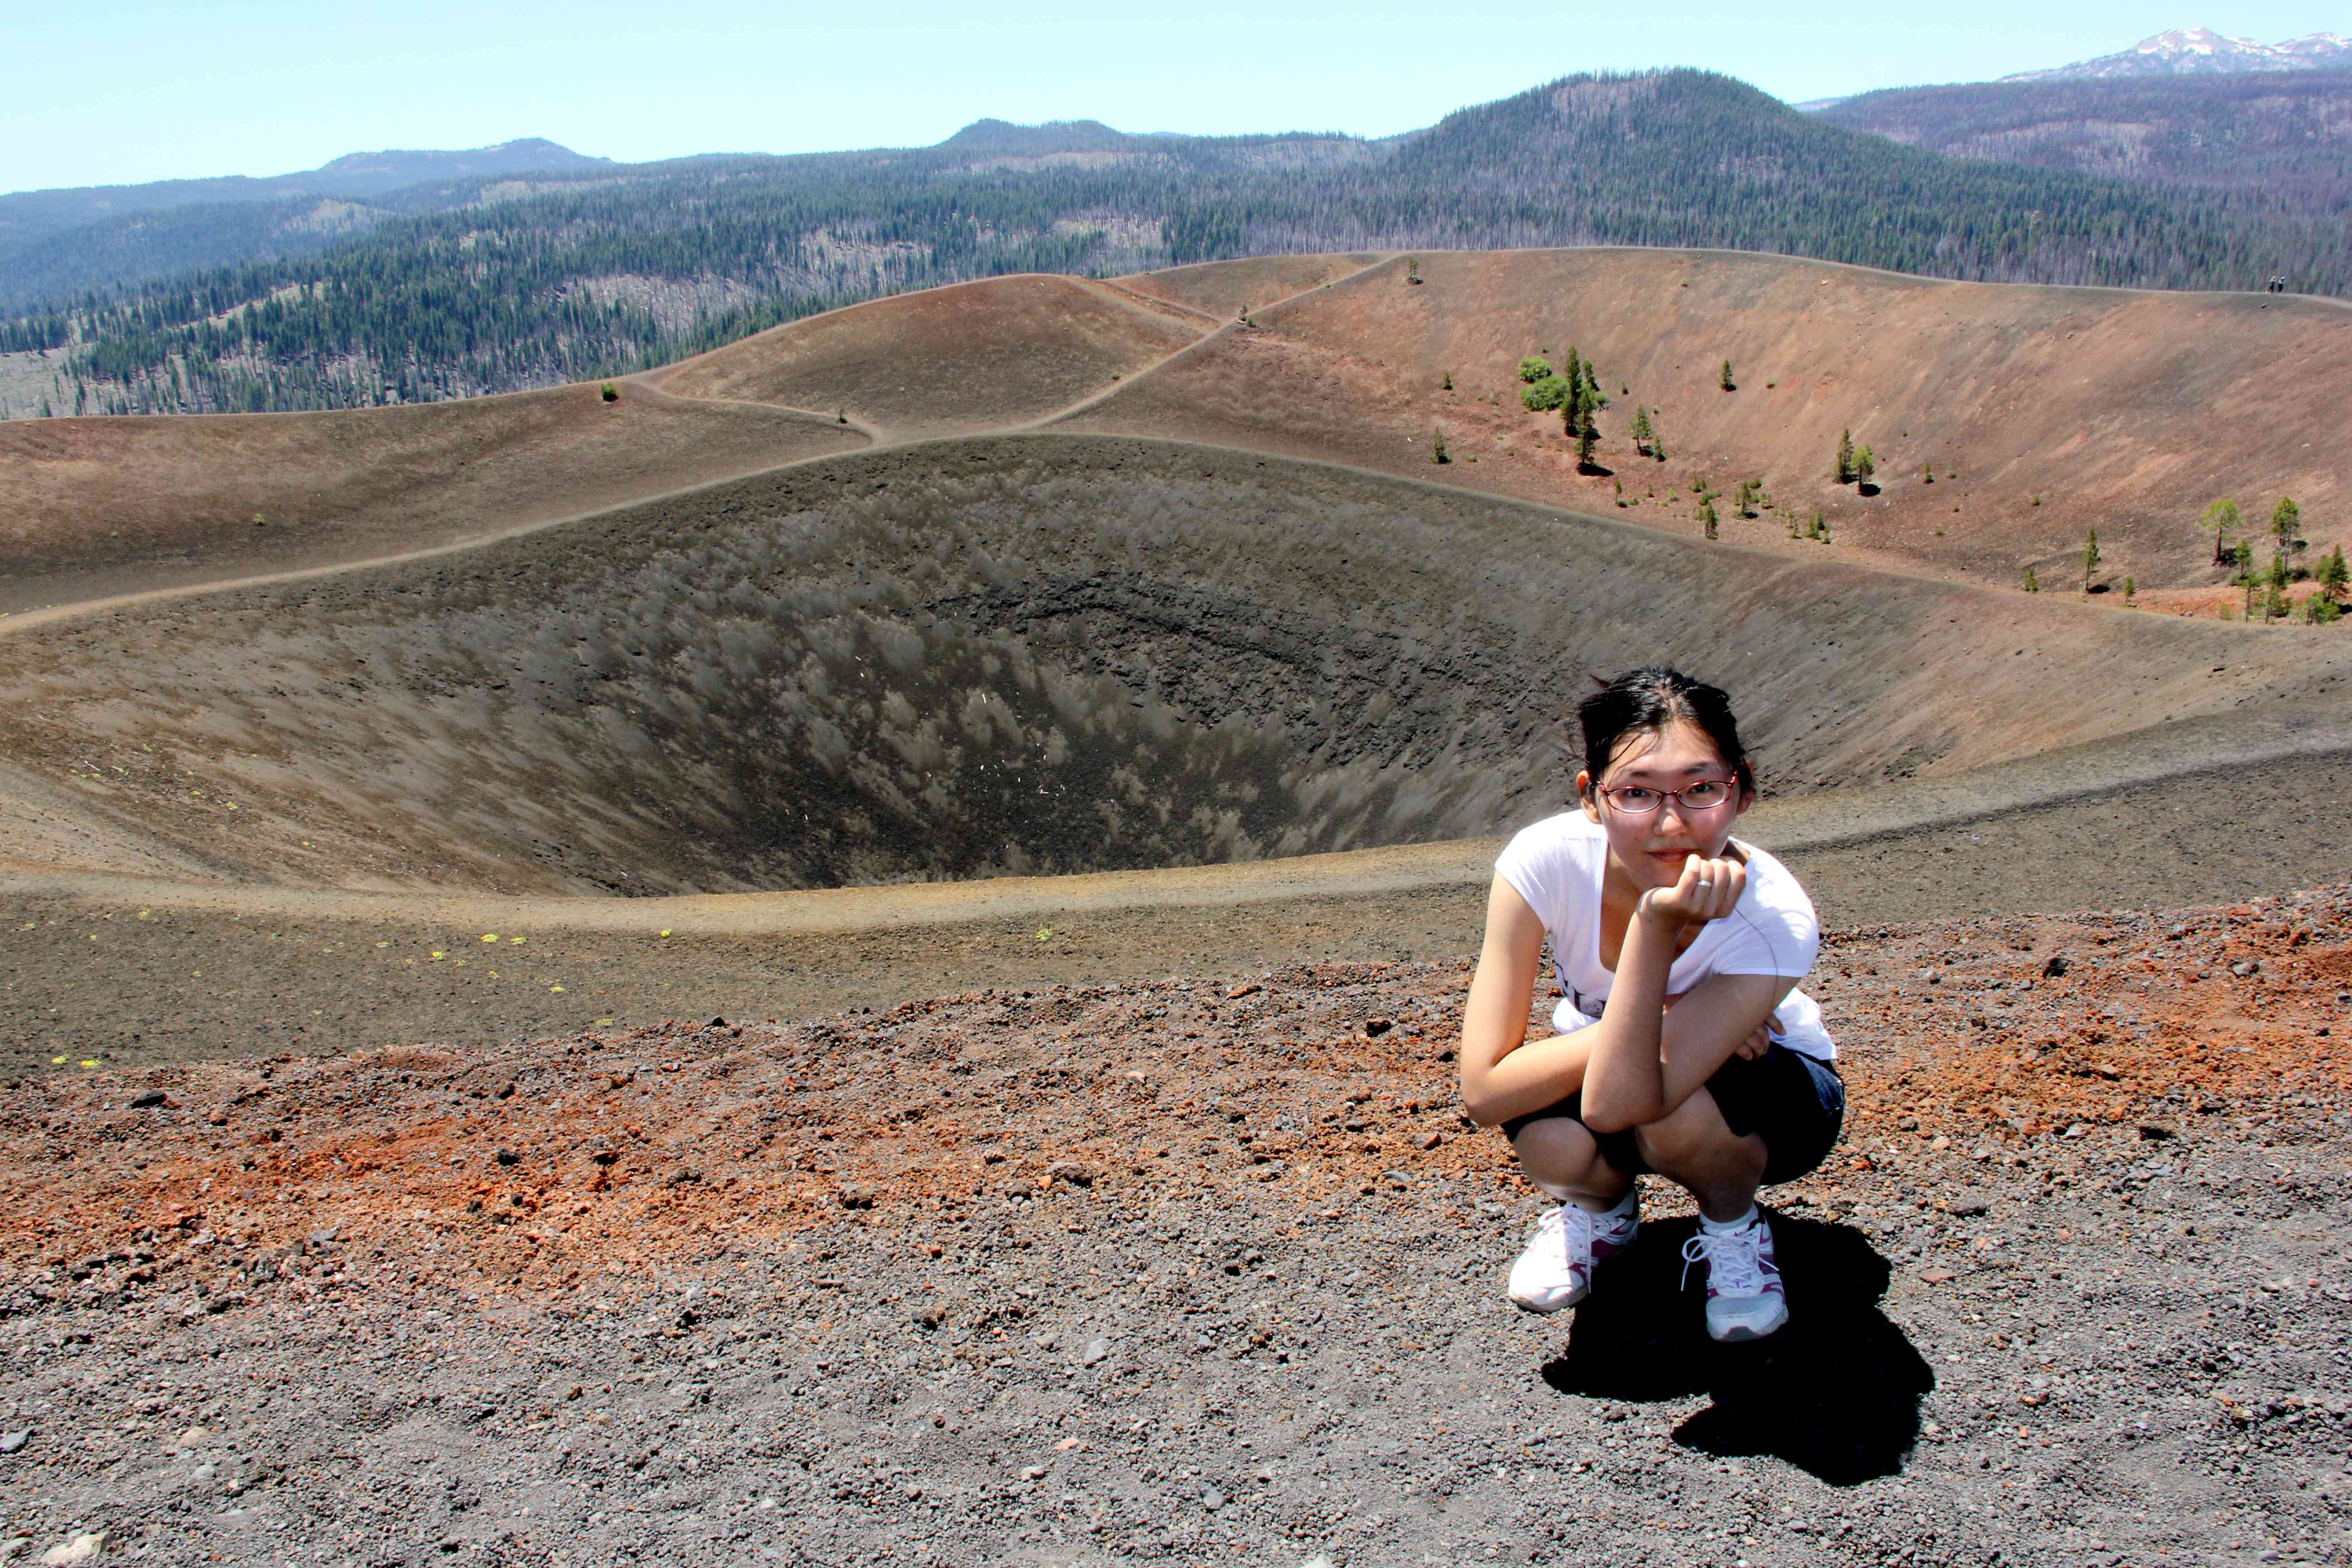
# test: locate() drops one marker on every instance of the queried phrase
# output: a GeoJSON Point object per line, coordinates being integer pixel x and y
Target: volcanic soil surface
{"type": "Point", "coordinates": [1203, 1271]}
{"type": "Point", "coordinates": [94, 508]}
{"type": "Point", "coordinates": [2006, 421]}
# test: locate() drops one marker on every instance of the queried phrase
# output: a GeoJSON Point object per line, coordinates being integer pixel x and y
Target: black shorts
{"type": "Point", "coordinates": [1796, 1103]}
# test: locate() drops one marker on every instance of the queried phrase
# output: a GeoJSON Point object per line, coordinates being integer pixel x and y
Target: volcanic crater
{"type": "Point", "coordinates": [1023, 656]}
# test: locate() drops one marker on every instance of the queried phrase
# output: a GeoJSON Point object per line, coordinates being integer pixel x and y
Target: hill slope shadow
{"type": "Point", "coordinates": [1836, 1393]}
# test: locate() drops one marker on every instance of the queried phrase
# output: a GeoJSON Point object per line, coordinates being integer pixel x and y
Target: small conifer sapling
{"type": "Point", "coordinates": [2090, 559]}
{"type": "Point", "coordinates": [1437, 447]}
{"type": "Point", "coordinates": [2333, 576]}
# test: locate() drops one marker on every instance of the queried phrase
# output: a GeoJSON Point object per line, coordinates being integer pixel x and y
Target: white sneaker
{"type": "Point", "coordinates": [1555, 1272]}
{"type": "Point", "coordinates": [1744, 1297]}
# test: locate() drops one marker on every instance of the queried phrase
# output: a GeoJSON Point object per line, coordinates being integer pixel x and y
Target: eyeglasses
{"type": "Point", "coordinates": [1634, 800]}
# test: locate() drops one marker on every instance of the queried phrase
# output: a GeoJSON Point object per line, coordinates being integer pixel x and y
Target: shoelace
{"type": "Point", "coordinates": [1557, 1220]}
{"type": "Point", "coordinates": [1556, 1223]}
{"type": "Point", "coordinates": [1735, 1262]}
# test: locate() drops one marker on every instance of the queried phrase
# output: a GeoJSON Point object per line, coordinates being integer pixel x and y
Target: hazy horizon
{"type": "Point", "coordinates": [111, 104]}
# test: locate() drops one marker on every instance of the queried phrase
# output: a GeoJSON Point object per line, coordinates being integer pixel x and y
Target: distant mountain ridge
{"type": "Point", "coordinates": [2261, 137]}
{"type": "Point", "coordinates": [2202, 51]}
{"type": "Point", "coordinates": [27, 216]}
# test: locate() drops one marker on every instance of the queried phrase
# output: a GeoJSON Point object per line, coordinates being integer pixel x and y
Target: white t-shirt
{"type": "Point", "coordinates": [1557, 865]}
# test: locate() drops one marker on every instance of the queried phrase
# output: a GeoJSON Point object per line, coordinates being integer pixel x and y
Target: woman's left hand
{"type": "Point", "coordinates": [1706, 891]}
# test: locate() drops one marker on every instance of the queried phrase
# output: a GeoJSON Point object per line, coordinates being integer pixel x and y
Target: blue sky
{"type": "Point", "coordinates": [111, 92]}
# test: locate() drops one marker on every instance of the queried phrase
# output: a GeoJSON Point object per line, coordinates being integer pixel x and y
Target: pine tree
{"type": "Point", "coordinates": [1641, 430]}
{"type": "Point", "coordinates": [1927, 473]}
{"type": "Point", "coordinates": [1586, 439]}
{"type": "Point", "coordinates": [2090, 559]}
{"type": "Point", "coordinates": [1845, 457]}
{"type": "Point", "coordinates": [1437, 447]}
{"type": "Point", "coordinates": [1864, 468]}
{"type": "Point", "coordinates": [2130, 589]}
{"type": "Point", "coordinates": [1448, 385]}
{"type": "Point", "coordinates": [1724, 380]}
{"type": "Point", "coordinates": [2222, 515]}
{"type": "Point", "coordinates": [2286, 522]}
{"type": "Point", "coordinates": [2032, 585]}
{"type": "Point", "coordinates": [1707, 514]}
{"type": "Point", "coordinates": [2244, 556]}
{"type": "Point", "coordinates": [2332, 574]}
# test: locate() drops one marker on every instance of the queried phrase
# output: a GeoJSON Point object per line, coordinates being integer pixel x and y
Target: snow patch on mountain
{"type": "Point", "coordinates": [2202, 51]}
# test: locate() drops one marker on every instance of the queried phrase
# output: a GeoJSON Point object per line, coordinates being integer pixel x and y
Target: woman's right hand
{"type": "Point", "coordinates": [1705, 890]}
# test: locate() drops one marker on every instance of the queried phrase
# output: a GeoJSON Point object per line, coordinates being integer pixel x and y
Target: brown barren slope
{"type": "Point", "coordinates": [1223, 289]}
{"type": "Point", "coordinates": [2126, 411]}
{"type": "Point", "coordinates": [972, 356]}
{"type": "Point", "coordinates": [96, 507]}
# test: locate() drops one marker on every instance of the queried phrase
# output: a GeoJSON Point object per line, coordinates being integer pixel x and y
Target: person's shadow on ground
{"type": "Point", "coordinates": [1835, 1392]}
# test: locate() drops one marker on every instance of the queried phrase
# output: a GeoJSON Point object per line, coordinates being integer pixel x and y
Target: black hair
{"type": "Point", "coordinates": [1647, 700]}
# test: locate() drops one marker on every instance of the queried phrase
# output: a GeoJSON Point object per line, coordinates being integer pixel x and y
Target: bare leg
{"type": "Point", "coordinates": [1693, 1147]}
{"type": "Point", "coordinates": [1562, 1158]}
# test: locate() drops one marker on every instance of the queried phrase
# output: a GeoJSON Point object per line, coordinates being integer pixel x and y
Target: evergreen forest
{"type": "Point", "coordinates": [2281, 143]}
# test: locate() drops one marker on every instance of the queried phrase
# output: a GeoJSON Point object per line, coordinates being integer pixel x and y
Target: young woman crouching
{"type": "Point", "coordinates": [1684, 1046]}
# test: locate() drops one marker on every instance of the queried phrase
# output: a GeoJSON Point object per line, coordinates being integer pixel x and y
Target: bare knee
{"type": "Point", "coordinates": [1694, 1134]}
{"type": "Point", "coordinates": [1561, 1155]}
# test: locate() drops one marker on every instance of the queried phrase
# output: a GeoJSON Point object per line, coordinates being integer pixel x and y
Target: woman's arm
{"type": "Point", "coordinates": [1644, 1061]}
{"type": "Point", "coordinates": [1503, 1076]}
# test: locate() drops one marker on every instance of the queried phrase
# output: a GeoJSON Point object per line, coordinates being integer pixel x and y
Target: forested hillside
{"type": "Point", "coordinates": [65, 241]}
{"type": "Point", "coordinates": [582, 275]}
{"type": "Point", "coordinates": [2282, 139]}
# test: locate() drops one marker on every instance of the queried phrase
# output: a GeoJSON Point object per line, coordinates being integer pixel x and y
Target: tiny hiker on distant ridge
{"type": "Point", "coordinates": [1684, 1046]}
